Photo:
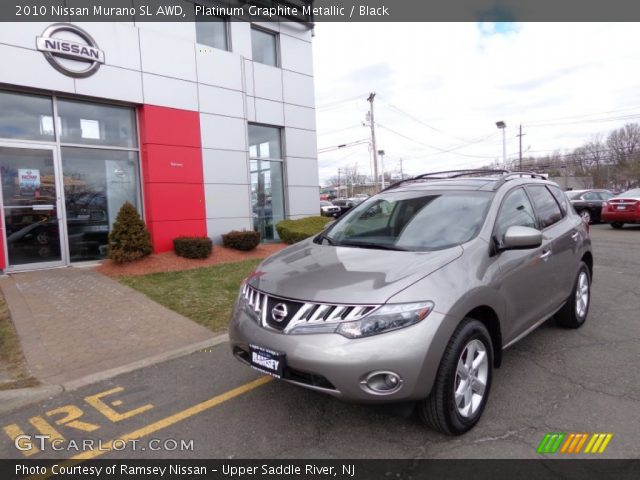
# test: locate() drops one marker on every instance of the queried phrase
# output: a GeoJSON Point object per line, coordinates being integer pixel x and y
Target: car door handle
{"type": "Point", "coordinates": [545, 255]}
{"type": "Point", "coordinates": [575, 236]}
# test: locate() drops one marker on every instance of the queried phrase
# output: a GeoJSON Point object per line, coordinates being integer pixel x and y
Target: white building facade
{"type": "Point", "coordinates": [204, 127]}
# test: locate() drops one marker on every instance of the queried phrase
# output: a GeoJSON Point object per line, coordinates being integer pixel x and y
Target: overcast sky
{"type": "Point", "coordinates": [444, 85]}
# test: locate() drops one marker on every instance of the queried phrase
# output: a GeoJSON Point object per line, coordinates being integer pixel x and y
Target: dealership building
{"type": "Point", "coordinates": [205, 127]}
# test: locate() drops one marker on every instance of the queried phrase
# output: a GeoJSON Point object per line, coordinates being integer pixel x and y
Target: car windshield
{"type": "Point", "coordinates": [324, 203]}
{"type": "Point", "coordinates": [635, 193]}
{"type": "Point", "coordinates": [416, 221]}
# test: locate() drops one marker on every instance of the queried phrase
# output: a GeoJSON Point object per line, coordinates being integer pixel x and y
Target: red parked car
{"type": "Point", "coordinates": [621, 209]}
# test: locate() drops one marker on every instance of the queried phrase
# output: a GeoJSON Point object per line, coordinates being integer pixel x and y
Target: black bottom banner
{"type": "Point", "coordinates": [319, 469]}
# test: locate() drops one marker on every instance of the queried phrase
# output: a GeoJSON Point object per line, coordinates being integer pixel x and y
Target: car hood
{"type": "Point", "coordinates": [324, 273]}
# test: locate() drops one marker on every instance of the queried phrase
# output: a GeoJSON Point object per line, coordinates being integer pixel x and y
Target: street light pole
{"type": "Point", "coordinates": [503, 126]}
{"type": "Point", "coordinates": [381, 153]}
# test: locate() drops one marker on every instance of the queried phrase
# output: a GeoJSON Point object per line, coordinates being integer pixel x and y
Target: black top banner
{"type": "Point", "coordinates": [312, 11]}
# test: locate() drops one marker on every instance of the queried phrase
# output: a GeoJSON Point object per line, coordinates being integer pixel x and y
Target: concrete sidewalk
{"type": "Point", "coordinates": [74, 323]}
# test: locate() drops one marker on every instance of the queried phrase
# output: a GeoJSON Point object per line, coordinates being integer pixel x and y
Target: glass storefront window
{"type": "Point", "coordinates": [267, 181]}
{"type": "Point", "coordinates": [26, 117]}
{"type": "Point", "coordinates": [96, 124]}
{"type": "Point", "coordinates": [267, 197]}
{"type": "Point", "coordinates": [96, 185]}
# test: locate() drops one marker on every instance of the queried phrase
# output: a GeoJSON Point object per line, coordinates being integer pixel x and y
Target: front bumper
{"type": "Point", "coordinates": [333, 364]}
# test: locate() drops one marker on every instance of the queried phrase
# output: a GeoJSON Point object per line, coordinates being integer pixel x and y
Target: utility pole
{"type": "Point", "coordinates": [381, 153]}
{"type": "Point", "coordinates": [520, 135]}
{"type": "Point", "coordinates": [401, 172]}
{"type": "Point", "coordinates": [372, 124]}
{"type": "Point", "coordinates": [339, 182]}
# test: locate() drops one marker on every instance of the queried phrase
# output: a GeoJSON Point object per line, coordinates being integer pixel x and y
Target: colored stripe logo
{"type": "Point", "coordinates": [556, 442]}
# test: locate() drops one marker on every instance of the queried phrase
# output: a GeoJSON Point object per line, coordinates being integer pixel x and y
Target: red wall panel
{"type": "Point", "coordinates": [168, 163]}
{"type": "Point", "coordinates": [175, 201]}
{"type": "Point", "coordinates": [172, 174]}
{"type": "Point", "coordinates": [169, 126]}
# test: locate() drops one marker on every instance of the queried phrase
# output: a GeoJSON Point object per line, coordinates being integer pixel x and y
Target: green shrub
{"type": "Point", "coordinates": [241, 240]}
{"type": "Point", "coordinates": [192, 247]}
{"type": "Point", "coordinates": [292, 231]}
{"type": "Point", "coordinates": [129, 239]}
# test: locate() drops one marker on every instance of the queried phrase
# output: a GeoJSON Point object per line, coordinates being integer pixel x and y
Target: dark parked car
{"type": "Point", "coordinates": [588, 203]}
{"type": "Point", "coordinates": [347, 204]}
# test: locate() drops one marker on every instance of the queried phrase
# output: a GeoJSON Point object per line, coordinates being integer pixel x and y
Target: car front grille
{"type": "Point", "coordinates": [285, 315]}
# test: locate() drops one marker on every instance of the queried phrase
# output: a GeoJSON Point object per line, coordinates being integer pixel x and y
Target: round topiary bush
{"type": "Point", "coordinates": [292, 231]}
{"type": "Point", "coordinates": [241, 239]}
{"type": "Point", "coordinates": [129, 239]}
{"type": "Point", "coordinates": [192, 247]}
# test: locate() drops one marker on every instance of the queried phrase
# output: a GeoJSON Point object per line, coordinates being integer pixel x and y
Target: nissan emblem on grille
{"type": "Point", "coordinates": [279, 312]}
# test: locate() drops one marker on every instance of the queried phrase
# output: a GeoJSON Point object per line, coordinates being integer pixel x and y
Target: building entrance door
{"type": "Point", "coordinates": [31, 207]}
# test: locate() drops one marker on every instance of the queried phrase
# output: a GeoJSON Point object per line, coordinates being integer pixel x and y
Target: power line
{"type": "Point", "coordinates": [336, 103]}
{"type": "Point", "coordinates": [440, 150]}
{"type": "Point", "coordinates": [422, 122]}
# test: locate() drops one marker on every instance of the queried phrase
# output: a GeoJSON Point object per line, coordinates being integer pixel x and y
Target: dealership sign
{"type": "Point", "coordinates": [57, 48]}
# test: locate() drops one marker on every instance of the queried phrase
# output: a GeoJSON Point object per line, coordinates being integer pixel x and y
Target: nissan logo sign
{"type": "Point", "coordinates": [56, 49]}
{"type": "Point", "coordinates": [279, 312]}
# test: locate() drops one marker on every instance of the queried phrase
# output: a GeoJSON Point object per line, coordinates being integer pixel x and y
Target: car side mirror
{"type": "Point", "coordinates": [518, 237]}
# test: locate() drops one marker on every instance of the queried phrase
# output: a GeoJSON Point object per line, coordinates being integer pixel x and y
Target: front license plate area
{"type": "Point", "coordinates": [267, 361]}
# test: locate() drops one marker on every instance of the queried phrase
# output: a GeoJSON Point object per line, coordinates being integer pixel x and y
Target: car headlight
{"type": "Point", "coordinates": [387, 318]}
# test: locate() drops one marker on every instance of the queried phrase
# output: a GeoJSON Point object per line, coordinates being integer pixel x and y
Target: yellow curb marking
{"type": "Point", "coordinates": [163, 423]}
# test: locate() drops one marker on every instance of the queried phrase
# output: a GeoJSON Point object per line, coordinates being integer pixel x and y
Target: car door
{"type": "Point", "coordinates": [559, 236]}
{"type": "Point", "coordinates": [569, 233]}
{"type": "Point", "coordinates": [523, 281]}
{"type": "Point", "coordinates": [593, 202]}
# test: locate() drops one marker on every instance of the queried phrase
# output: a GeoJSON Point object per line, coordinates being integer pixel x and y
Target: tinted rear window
{"type": "Point", "coordinates": [546, 206]}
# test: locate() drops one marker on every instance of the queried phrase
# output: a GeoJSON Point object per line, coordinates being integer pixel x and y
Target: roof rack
{"type": "Point", "coordinates": [505, 175]}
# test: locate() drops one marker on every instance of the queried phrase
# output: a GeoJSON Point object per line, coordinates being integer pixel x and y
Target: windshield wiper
{"type": "Point", "coordinates": [329, 240]}
{"type": "Point", "coordinates": [380, 246]}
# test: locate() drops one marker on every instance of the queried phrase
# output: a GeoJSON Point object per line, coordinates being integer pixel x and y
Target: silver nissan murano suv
{"type": "Point", "coordinates": [414, 294]}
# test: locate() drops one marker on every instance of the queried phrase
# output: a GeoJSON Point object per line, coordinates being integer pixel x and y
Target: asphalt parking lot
{"type": "Point", "coordinates": [555, 380]}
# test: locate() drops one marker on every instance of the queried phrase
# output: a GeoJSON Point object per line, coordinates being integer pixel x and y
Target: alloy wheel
{"type": "Point", "coordinates": [586, 216]}
{"type": "Point", "coordinates": [471, 378]}
{"type": "Point", "coordinates": [582, 295]}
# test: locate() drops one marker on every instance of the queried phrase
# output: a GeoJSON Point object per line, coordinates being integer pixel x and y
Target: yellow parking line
{"type": "Point", "coordinates": [177, 417]}
{"type": "Point", "coordinates": [166, 422]}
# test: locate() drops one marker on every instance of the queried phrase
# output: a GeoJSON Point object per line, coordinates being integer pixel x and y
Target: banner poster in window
{"type": "Point", "coordinates": [29, 182]}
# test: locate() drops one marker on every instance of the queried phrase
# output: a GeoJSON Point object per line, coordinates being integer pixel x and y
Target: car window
{"type": "Point", "coordinates": [419, 221]}
{"type": "Point", "coordinates": [560, 197]}
{"type": "Point", "coordinates": [516, 210]}
{"type": "Point", "coordinates": [546, 206]}
{"type": "Point", "coordinates": [606, 195]}
{"type": "Point", "coordinates": [573, 195]}
{"type": "Point", "coordinates": [591, 196]}
{"type": "Point", "coordinates": [631, 193]}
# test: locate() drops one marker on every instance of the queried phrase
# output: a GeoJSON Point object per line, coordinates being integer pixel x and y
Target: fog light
{"type": "Point", "coordinates": [382, 382]}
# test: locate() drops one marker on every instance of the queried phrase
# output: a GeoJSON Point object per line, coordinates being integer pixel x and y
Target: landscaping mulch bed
{"type": "Point", "coordinates": [170, 262]}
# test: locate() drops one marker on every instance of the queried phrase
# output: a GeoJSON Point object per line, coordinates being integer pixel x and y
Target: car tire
{"type": "Point", "coordinates": [617, 225]}
{"type": "Point", "coordinates": [574, 313]}
{"type": "Point", "coordinates": [451, 408]}
{"type": "Point", "coordinates": [585, 215]}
